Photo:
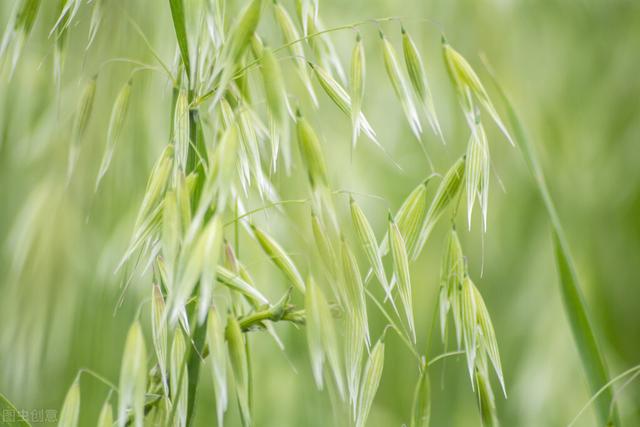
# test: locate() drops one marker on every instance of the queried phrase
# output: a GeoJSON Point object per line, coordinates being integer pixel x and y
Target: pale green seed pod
{"type": "Point", "coordinates": [419, 82]}
{"type": "Point", "coordinates": [179, 377]}
{"type": "Point", "coordinates": [341, 98]}
{"type": "Point", "coordinates": [445, 194]}
{"type": "Point", "coordinates": [279, 258]}
{"type": "Point", "coordinates": [469, 323]}
{"type": "Point", "coordinates": [477, 173]}
{"type": "Point", "coordinates": [105, 419]}
{"type": "Point", "coordinates": [356, 85]}
{"type": "Point", "coordinates": [239, 366]}
{"type": "Point", "coordinates": [354, 288]}
{"type": "Point", "coordinates": [489, 340]}
{"type": "Point", "coordinates": [314, 331]}
{"type": "Point", "coordinates": [116, 124]}
{"type": "Point", "coordinates": [80, 122]}
{"type": "Point", "coordinates": [451, 277]}
{"type": "Point", "coordinates": [465, 80]}
{"type": "Point", "coordinates": [70, 411]}
{"type": "Point", "coordinates": [401, 271]}
{"type": "Point", "coordinates": [181, 129]}
{"type": "Point", "coordinates": [159, 333]}
{"type": "Point", "coordinates": [486, 400]}
{"type": "Point", "coordinates": [400, 86]}
{"type": "Point", "coordinates": [242, 33]}
{"type": "Point", "coordinates": [311, 153]}
{"type": "Point", "coordinates": [291, 37]}
{"type": "Point", "coordinates": [218, 359]}
{"type": "Point", "coordinates": [212, 249]}
{"type": "Point", "coordinates": [234, 281]}
{"type": "Point", "coordinates": [133, 377]}
{"type": "Point", "coordinates": [368, 242]}
{"type": "Point", "coordinates": [370, 382]}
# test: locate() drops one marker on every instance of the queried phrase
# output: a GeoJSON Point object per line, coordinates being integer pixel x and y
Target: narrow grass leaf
{"type": "Point", "coordinates": [7, 407]}
{"type": "Point", "coordinates": [592, 359]}
{"type": "Point", "coordinates": [179, 25]}
{"type": "Point", "coordinates": [421, 406]}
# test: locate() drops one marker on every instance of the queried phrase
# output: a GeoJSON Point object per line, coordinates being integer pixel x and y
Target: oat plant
{"type": "Point", "coordinates": [240, 125]}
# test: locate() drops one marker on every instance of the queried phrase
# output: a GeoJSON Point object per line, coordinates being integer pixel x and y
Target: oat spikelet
{"type": "Point", "coordinates": [116, 123]}
{"type": "Point", "coordinates": [356, 86]}
{"type": "Point", "coordinates": [218, 359]}
{"type": "Point", "coordinates": [70, 411]}
{"type": "Point", "coordinates": [400, 86]}
{"type": "Point", "coordinates": [370, 382]}
{"type": "Point", "coordinates": [239, 366]}
{"type": "Point", "coordinates": [279, 257]}
{"type": "Point", "coordinates": [80, 122]}
{"type": "Point", "coordinates": [291, 37]}
{"type": "Point", "coordinates": [133, 377]}
{"type": "Point", "coordinates": [445, 194]}
{"type": "Point", "coordinates": [368, 242]}
{"type": "Point", "coordinates": [419, 82]}
{"type": "Point", "coordinates": [467, 83]}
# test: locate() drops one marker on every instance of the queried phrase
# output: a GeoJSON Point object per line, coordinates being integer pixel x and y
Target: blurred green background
{"type": "Point", "coordinates": [571, 69]}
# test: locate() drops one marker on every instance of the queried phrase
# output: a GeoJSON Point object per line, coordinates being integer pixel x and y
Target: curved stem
{"type": "Point", "coordinates": [602, 390]}
{"type": "Point", "coordinates": [393, 324]}
{"type": "Point", "coordinates": [444, 356]}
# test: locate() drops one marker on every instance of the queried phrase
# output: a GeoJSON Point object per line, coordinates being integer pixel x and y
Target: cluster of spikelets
{"type": "Point", "coordinates": [222, 152]}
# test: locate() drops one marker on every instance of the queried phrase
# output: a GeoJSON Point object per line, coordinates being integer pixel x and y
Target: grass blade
{"type": "Point", "coordinates": [179, 25]}
{"type": "Point", "coordinates": [575, 307]}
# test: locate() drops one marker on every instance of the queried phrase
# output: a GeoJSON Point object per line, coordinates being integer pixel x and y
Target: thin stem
{"type": "Point", "coordinates": [99, 378]}
{"type": "Point", "coordinates": [444, 356]}
{"type": "Point", "coordinates": [393, 324]}
{"type": "Point", "coordinates": [602, 390]}
{"type": "Point", "coordinates": [263, 208]}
